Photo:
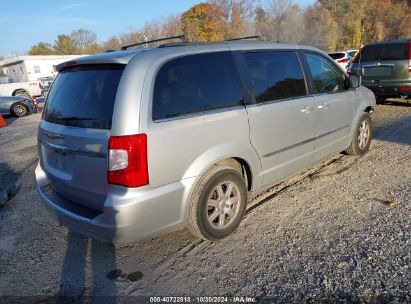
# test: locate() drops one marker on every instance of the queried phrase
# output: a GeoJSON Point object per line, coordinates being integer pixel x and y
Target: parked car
{"type": "Point", "coordinates": [45, 84]}
{"type": "Point", "coordinates": [26, 89]}
{"type": "Point", "coordinates": [16, 105]}
{"type": "Point", "coordinates": [343, 58]}
{"type": "Point", "coordinates": [385, 67]}
{"type": "Point", "coordinates": [134, 144]}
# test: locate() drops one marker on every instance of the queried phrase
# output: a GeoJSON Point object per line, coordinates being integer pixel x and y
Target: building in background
{"type": "Point", "coordinates": [30, 68]}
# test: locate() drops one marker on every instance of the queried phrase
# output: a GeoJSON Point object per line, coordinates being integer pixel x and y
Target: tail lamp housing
{"type": "Point", "coordinates": [127, 160]}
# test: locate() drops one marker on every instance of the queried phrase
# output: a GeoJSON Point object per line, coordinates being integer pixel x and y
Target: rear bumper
{"type": "Point", "coordinates": [389, 90]}
{"type": "Point", "coordinates": [128, 215]}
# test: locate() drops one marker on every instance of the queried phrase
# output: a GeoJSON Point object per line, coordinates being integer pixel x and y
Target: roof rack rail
{"type": "Point", "coordinates": [244, 38]}
{"type": "Point", "coordinates": [125, 47]}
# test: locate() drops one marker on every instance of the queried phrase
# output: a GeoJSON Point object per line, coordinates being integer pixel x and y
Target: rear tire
{"type": "Point", "coordinates": [361, 140]}
{"type": "Point", "coordinates": [19, 110]}
{"type": "Point", "coordinates": [217, 204]}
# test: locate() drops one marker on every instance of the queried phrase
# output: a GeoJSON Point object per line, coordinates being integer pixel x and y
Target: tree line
{"type": "Point", "coordinates": [327, 24]}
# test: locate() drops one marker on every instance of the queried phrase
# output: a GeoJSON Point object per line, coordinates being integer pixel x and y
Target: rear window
{"type": "Point", "coordinates": [196, 83]}
{"type": "Point", "coordinates": [351, 54]}
{"type": "Point", "coordinates": [388, 51]}
{"type": "Point", "coordinates": [336, 56]}
{"type": "Point", "coordinates": [84, 96]}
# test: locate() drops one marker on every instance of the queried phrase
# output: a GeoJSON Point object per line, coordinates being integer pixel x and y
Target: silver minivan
{"type": "Point", "coordinates": [134, 144]}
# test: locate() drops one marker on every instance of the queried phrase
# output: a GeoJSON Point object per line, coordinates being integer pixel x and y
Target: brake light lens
{"type": "Point", "coordinates": [343, 60]}
{"type": "Point", "coordinates": [127, 164]}
{"type": "Point", "coordinates": [69, 63]}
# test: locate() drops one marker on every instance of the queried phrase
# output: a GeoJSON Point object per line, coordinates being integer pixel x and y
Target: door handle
{"type": "Point", "coordinates": [325, 105]}
{"type": "Point", "coordinates": [307, 109]}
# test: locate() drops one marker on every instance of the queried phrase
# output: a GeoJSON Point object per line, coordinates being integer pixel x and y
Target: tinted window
{"type": "Point", "coordinates": [326, 77]}
{"type": "Point", "coordinates": [84, 96]}
{"type": "Point", "coordinates": [351, 54]}
{"type": "Point", "coordinates": [275, 75]}
{"type": "Point", "coordinates": [389, 51]}
{"type": "Point", "coordinates": [336, 55]}
{"type": "Point", "coordinates": [196, 83]}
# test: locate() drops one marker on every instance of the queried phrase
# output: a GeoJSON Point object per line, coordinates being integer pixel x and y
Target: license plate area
{"type": "Point", "coordinates": [58, 163]}
{"type": "Point", "coordinates": [377, 71]}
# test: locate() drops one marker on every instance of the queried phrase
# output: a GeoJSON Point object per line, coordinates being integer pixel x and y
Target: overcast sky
{"type": "Point", "coordinates": [23, 23]}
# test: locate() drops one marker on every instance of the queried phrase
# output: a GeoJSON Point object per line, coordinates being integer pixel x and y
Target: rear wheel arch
{"type": "Point", "coordinates": [218, 175]}
{"type": "Point", "coordinates": [239, 165]}
{"type": "Point", "coordinates": [21, 92]}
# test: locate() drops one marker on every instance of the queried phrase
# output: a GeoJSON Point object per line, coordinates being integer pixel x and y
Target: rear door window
{"type": "Point", "coordinates": [388, 51]}
{"type": "Point", "coordinates": [336, 56]}
{"type": "Point", "coordinates": [275, 75]}
{"type": "Point", "coordinates": [84, 96]}
{"type": "Point", "coordinates": [326, 77]}
{"type": "Point", "coordinates": [196, 83]}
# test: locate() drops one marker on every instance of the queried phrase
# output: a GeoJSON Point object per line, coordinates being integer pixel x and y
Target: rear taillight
{"type": "Point", "coordinates": [70, 63]}
{"type": "Point", "coordinates": [127, 160]}
{"type": "Point", "coordinates": [343, 60]}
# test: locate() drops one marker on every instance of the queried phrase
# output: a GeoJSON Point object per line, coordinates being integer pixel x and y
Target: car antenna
{"type": "Point", "coordinates": [125, 47]}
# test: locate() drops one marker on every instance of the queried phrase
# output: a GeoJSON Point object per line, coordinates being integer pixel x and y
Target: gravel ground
{"type": "Point", "coordinates": [323, 236]}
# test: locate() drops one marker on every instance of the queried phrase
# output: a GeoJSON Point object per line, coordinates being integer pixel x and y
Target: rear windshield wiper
{"type": "Point", "coordinates": [68, 118]}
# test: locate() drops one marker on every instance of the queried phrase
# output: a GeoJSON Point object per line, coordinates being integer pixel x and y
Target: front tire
{"type": "Point", "coordinates": [218, 203]}
{"type": "Point", "coordinates": [19, 110]}
{"type": "Point", "coordinates": [362, 136]}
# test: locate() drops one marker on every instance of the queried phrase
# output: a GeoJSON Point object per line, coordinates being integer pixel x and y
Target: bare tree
{"type": "Point", "coordinates": [320, 28]}
{"type": "Point", "coordinates": [272, 17]}
{"type": "Point", "coordinates": [113, 43]}
{"type": "Point", "coordinates": [84, 40]}
{"type": "Point", "coordinates": [237, 17]}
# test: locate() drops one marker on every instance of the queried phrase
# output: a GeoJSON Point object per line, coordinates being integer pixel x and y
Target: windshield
{"type": "Point", "coordinates": [84, 96]}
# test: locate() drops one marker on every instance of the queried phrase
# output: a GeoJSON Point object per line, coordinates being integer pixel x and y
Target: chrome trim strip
{"type": "Point", "coordinates": [333, 131]}
{"type": "Point", "coordinates": [377, 65]}
{"type": "Point", "coordinates": [73, 151]}
{"type": "Point", "coordinates": [305, 141]}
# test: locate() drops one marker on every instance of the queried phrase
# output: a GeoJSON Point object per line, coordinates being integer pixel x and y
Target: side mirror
{"type": "Point", "coordinates": [355, 81]}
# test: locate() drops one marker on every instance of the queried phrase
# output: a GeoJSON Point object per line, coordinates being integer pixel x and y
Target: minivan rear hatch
{"type": "Point", "coordinates": [74, 133]}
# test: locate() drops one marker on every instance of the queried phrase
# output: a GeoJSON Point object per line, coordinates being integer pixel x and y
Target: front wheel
{"type": "Point", "coordinates": [19, 110]}
{"type": "Point", "coordinates": [217, 204]}
{"type": "Point", "coordinates": [362, 136]}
